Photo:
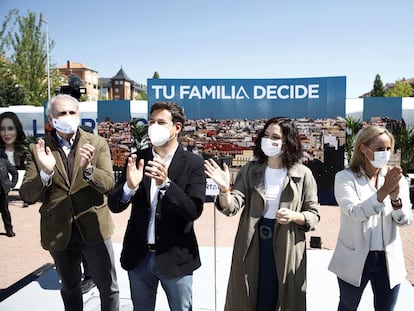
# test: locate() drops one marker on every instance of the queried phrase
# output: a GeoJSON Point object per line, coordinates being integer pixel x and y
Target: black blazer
{"type": "Point", "coordinates": [177, 248]}
{"type": "Point", "coordinates": [5, 168]}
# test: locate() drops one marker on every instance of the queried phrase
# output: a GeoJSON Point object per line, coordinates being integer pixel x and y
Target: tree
{"type": "Point", "coordinates": [5, 35]}
{"type": "Point", "coordinates": [401, 89]}
{"type": "Point", "coordinates": [139, 134]}
{"type": "Point", "coordinates": [378, 88]}
{"type": "Point", "coordinates": [404, 140]}
{"type": "Point", "coordinates": [353, 126]}
{"type": "Point", "coordinates": [142, 95]}
{"type": "Point", "coordinates": [29, 57]}
{"type": "Point", "coordinates": [10, 92]}
{"type": "Point", "coordinates": [156, 75]}
{"type": "Point", "coordinates": [25, 50]}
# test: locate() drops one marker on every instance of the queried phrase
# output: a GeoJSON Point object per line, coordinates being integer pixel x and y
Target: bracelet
{"type": "Point", "coordinates": [396, 204]}
{"type": "Point", "coordinates": [227, 190]}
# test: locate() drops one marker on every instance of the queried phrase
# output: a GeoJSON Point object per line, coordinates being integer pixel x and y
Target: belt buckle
{"type": "Point", "coordinates": [265, 232]}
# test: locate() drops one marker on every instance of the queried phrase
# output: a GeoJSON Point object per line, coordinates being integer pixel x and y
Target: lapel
{"type": "Point", "coordinates": [59, 167]}
{"type": "Point", "coordinates": [176, 166]}
{"type": "Point", "coordinates": [76, 161]}
{"type": "Point", "coordinates": [258, 179]}
{"type": "Point", "coordinates": [174, 170]}
{"type": "Point", "coordinates": [147, 155]}
{"type": "Point", "coordinates": [290, 188]}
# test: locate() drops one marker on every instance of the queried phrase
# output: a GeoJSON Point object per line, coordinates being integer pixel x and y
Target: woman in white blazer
{"type": "Point", "coordinates": [374, 201]}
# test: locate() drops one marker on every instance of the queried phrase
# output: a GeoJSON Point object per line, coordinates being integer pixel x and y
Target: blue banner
{"type": "Point", "coordinates": [114, 110]}
{"type": "Point", "coordinates": [312, 98]}
{"type": "Point", "coordinates": [385, 107]}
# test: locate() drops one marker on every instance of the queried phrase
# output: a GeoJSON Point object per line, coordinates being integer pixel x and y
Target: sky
{"type": "Point", "coordinates": [235, 39]}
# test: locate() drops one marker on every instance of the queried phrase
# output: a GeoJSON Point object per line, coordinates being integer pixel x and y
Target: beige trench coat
{"type": "Point", "coordinates": [289, 243]}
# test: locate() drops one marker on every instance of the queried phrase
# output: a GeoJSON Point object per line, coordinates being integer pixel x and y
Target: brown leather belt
{"type": "Point", "coordinates": [151, 248]}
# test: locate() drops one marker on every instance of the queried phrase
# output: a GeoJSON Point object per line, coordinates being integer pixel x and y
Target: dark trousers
{"type": "Point", "coordinates": [268, 287]}
{"type": "Point", "coordinates": [4, 210]}
{"type": "Point", "coordinates": [86, 274]}
{"type": "Point", "coordinates": [375, 271]}
{"type": "Point", "coordinates": [101, 263]}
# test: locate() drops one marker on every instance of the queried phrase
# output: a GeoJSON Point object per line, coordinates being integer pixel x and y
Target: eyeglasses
{"type": "Point", "coordinates": [7, 128]}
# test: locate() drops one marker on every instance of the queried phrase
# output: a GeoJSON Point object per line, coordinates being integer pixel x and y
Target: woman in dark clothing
{"type": "Point", "coordinates": [12, 139]}
{"type": "Point", "coordinates": [6, 184]}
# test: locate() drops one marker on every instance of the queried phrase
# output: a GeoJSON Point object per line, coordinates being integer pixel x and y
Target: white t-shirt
{"type": "Point", "coordinates": [274, 179]}
{"type": "Point", "coordinates": [10, 157]}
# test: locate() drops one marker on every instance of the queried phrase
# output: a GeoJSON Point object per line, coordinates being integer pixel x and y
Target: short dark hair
{"type": "Point", "coordinates": [176, 111]}
{"type": "Point", "coordinates": [291, 144]}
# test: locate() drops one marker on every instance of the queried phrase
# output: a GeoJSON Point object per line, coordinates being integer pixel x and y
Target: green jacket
{"type": "Point", "coordinates": [66, 201]}
{"type": "Point", "coordinates": [289, 242]}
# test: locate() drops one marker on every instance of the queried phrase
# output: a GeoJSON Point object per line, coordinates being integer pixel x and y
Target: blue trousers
{"type": "Point", "coordinates": [268, 287]}
{"type": "Point", "coordinates": [143, 282]}
{"type": "Point", "coordinates": [375, 271]}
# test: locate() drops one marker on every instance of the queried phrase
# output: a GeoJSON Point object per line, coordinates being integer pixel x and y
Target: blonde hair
{"type": "Point", "coordinates": [364, 137]}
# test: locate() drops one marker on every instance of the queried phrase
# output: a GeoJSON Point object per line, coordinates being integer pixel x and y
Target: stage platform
{"type": "Point", "coordinates": [40, 290]}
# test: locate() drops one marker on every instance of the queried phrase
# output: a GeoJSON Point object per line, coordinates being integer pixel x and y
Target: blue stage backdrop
{"type": "Point", "coordinates": [312, 98]}
{"type": "Point", "coordinates": [389, 107]}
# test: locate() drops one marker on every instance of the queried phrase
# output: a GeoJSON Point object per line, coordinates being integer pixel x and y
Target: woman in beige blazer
{"type": "Point", "coordinates": [374, 202]}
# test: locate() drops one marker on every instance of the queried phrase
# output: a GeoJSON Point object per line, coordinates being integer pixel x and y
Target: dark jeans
{"type": "Point", "coordinates": [375, 271]}
{"type": "Point", "coordinates": [268, 287]}
{"type": "Point", "coordinates": [100, 258]}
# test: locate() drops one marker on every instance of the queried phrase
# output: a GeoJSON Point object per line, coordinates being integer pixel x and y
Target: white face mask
{"type": "Point", "coordinates": [158, 134]}
{"type": "Point", "coordinates": [381, 158]}
{"type": "Point", "coordinates": [66, 124]}
{"type": "Point", "coordinates": [271, 148]}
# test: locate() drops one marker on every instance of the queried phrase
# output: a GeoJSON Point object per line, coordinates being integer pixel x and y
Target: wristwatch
{"type": "Point", "coordinates": [165, 185]}
{"type": "Point", "coordinates": [396, 204]}
{"type": "Point", "coordinates": [87, 173]}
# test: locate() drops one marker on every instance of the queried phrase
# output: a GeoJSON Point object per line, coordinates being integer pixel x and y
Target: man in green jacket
{"type": "Point", "coordinates": [71, 170]}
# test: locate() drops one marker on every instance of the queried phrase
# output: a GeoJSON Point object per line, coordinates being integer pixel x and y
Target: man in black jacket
{"type": "Point", "coordinates": [166, 186]}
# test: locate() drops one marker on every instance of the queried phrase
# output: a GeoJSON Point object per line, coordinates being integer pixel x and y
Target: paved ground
{"type": "Point", "coordinates": [23, 254]}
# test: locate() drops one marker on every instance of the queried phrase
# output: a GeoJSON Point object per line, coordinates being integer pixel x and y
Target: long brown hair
{"type": "Point", "coordinates": [21, 136]}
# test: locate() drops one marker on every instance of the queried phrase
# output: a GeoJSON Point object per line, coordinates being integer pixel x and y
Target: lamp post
{"type": "Point", "coordinates": [47, 55]}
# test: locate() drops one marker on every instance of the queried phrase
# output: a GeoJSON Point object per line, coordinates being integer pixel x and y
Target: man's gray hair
{"type": "Point", "coordinates": [52, 101]}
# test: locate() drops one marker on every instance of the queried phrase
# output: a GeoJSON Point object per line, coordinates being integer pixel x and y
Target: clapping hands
{"type": "Point", "coordinates": [46, 157]}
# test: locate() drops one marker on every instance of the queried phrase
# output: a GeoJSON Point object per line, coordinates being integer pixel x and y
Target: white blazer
{"type": "Point", "coordinates": [357, 199]}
